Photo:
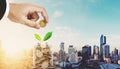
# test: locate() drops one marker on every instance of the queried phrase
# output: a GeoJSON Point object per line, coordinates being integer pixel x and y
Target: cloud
{"type": "Point", "coordinates": [57, 14]}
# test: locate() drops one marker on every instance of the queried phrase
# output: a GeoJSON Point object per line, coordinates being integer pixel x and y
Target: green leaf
{"type": "Point", "coordinates": [37, 37]}
{"type": "Point", "coordinates": [47, 36]}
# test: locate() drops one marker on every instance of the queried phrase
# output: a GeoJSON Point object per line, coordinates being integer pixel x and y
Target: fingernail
{"type": "Point", "coordinates": [37, 27]}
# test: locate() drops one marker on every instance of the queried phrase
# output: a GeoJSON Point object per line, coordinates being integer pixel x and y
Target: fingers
{"type": "Point", "coordinates": [30, 23]}
{"type": "Point", "coordinates": [45, 16]}
{"type": "Point", "coordinates": [43, 13]}
{"type": "Point", "coordinates": [33, 16]}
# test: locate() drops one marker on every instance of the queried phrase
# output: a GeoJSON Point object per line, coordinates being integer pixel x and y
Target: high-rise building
{"type": "Point", "coordinates": [119, 55]}
{"type": "Point", "coordinates": [72, 54]}
{"type": "Point", "coordinates": [62, 46]}
{"type": "Point", "coordinates": [115, 51]}
{"type": "Point", "coordinates": [86, 52]}
{"type": "Point", "coordinates": [102, 40]}
{"type": "Point", "coordinates": [61, 52]}
{"type": "Point", "coordinates": [89, 51]}
{"type": "Point", "coordinates": [102, 43]}
{"type": "Point", "coordinates": [107, 51]}
{"type": "Point", "coordinates": [95, 52]}
{"type": "Point", "coordinates": [115, 55]}
{"type": "Point", "coordinates": [79, 55]}
{"type": "Point", "coordinates": [71, 49]}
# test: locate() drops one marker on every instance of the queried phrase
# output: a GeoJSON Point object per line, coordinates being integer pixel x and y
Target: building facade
{"type": "Point", "coordinates": [102, 43]}
{"type": "Point", "coordinates": [95, 52]}
{"type": "Point", "coordinates": [86, 52]}
{"type": "Point", "coordinates": [106, 51]}
{"type": "Point", "coordinates": [72, 53]}
{"type": "Point", "coordinates": [61, 52]}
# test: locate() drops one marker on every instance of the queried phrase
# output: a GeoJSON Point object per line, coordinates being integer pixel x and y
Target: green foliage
{"type": "Point", "coordinates": [37, 37]}
{"type": "Point", "coordinates": [47, 36]}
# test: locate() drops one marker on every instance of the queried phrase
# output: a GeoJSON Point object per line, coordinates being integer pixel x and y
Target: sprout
{"type": "Point", "coordinates": [46, 37]}
{"type": "Point", "coordinates": [37, 37]}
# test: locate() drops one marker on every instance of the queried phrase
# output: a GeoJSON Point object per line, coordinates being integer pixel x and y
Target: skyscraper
{"type": "Point", "coordinates": [72, 54]}
{"type": "Point", "coordinates": [89, 51]}
{"type": "Point", "coordinates": [62, 52]}
{"type": "Point", "coordinates": [102, 40]}
{"type": "Point", "coordinates": [62, 46]}
{"type": "Point", "coordinates": [86, 52]}
{"type": "Point", "coordinates": [115, 51]}
{"type": "Point", "coordinates": [95, 52]}
{"type": "Point", "coordinates": [102, 43]}
{"type": "Point", "coordinates": [115, 55]}
{"type": "Point", "coordinates": [107, 51]}
{"type": "Point", "coordinates": [71, 49]}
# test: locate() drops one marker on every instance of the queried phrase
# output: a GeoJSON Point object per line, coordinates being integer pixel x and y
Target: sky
{"type": "Point", "coordinates": [75, 22]}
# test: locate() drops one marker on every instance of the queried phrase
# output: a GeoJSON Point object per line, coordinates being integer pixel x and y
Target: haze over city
{"type": "Point", "coordinates": [77, 22]}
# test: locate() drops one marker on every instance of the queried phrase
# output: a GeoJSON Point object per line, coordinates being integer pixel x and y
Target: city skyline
{"type": "Point", "coordinates": [105, 47]}
{"type": "Point", "coordinates": [85, 35]}
{"type": "Point", "coordinates": [85, 59]}
{"type": "Point", "coordinates": [77, 48]}
{"type": "Point", "coordinates": [85, 20]}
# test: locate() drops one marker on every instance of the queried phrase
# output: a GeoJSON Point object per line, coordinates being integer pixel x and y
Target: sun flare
{"type": "Point", "coordinates": [14, 52]}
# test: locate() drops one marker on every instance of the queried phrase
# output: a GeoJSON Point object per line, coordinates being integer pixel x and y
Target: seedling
{"type": "Point", "coordinates": [46, 37]}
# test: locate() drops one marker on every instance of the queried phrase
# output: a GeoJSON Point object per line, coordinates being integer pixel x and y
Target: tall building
{"type": "Point", "coordinates": [107, 51]}
{"type": "Point", "coordinates": [86, 52]}
{"type": "Point", "coordinates": [61, 52]}
{"type": "Point", "coordinates": [95, 52]}
{"type": "Point", "coordinates": [115, 55]}
{"type": "Point", "coordinates": [119, 56]}
{"type": "Point", "coordinates": [89, 51]}
{"type": "Point", "coordinates": [102, 43]}
{"type": "Point", "coordinates": [115, 51]}
{"type": "Point", "coordinates": [71, 49]}
{"type": "Point", "coordinates": [62, 46]}
{"type": "Point", "coordinates": [72, 54]}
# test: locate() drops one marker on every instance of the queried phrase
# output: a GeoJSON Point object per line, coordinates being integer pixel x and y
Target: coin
{"type": "Point", "coordinates": [42, 23]}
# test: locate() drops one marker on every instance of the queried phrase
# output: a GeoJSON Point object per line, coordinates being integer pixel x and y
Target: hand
{"type": "Point", "coordinates": [26, 14]}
